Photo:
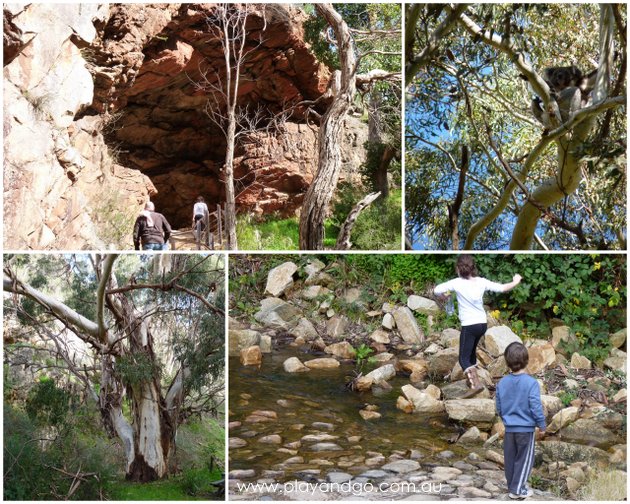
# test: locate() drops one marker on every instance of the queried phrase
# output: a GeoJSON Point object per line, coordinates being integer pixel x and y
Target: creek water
{"type": "Point", "coordinates": [313, 399]}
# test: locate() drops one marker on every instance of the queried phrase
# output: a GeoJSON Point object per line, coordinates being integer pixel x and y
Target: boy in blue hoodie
{"type": "Point", "coordinates": [519, 406]}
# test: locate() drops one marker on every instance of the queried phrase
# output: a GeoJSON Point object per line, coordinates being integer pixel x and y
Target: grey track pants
{"type": "Point", "coordinates": [518, 452]}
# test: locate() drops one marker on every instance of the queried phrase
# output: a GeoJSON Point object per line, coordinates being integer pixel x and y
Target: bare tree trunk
{"type": "Point", "coordinates": [322, 189]}
{"type": "Point", "coordinates": [343, 240]}
{"type": "Point", "coordinates": [230, 197]}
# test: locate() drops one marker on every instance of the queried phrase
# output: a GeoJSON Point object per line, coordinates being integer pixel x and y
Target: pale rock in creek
{"type": "Point", "coordinates": [380, 336]}
{"type": "Point", "coordinates": [277, 314]}
{"type": "Point", "coordinates": [280, 279]}
{"type": "Point", "coordinates": [423, 305]}
{"type": "Point", "coordinates": [563, 418]}
{"type": "Point", "coordinates": [322, 363]}
{"type": "Point", "coordinates": [240, 339]}
{"type": "Point", "coordinates": [471, 410]}
{"type": "Point", "coordinates": [305, 329]}
{"type": "Point", "coordinates": [313, 291]}
{"type": "Point", "coordinates": [343, 350]}
{"type": "Point", "coordinates": [561, 336]}
{"type": "Point", "coordinates": [497, 339]}
{"type": "Point", "coordinates": [541, 356]}
{"type": "Point", "coordinates": [423, 402]}
{"type": "Point", "coordinates": [450, 338]}
{"type": "Point", "coordinates": [388, 321]}
{"type": "Point", "coordinates": [336, 326]}
{"type": "Point", "coordinates": [617, 361]}
{"type": "Point", "coordinates": [294, 365]}
{"type": "Point", "coordinates": [618, 338]}
{"type": "Point", "coordinates": [402, 466]}
{"type": "Point", "coordinates": [442, 362]}
{"type": "Point", "coordinates": [551, 404]}
{"type": "Point", "coordinates": [251, 356]}
{"type": "Point", "coordinates": [580, 362]}
{"type": "Point", "coordinates": [407, 326]}
{"type": "Point", "coordinates": [369, 415]}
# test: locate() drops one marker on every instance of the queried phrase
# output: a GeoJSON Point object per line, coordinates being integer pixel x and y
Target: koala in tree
{"type": "Point", "coordinates": [559, 78]}
{"type": "Point", "coordinates": [569, 87]}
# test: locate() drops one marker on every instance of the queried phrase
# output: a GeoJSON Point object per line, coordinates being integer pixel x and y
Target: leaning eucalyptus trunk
{"type": "Point", "coordinates": [323, 187]}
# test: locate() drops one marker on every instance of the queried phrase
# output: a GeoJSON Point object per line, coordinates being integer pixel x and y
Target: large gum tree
{"type": "Point", "coordinates": [150, 329]}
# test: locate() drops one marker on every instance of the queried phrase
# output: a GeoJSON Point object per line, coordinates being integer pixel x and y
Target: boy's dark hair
{"type": "Point", "coordinates": [516, 356]}
{"type": "Point", "coordinates": [466, 266]}
{"type": "Point", "coordinates": [200, 199]}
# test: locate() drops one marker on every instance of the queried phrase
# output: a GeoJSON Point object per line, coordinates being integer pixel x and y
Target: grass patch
{"type": "Point", "coordinates": [198, 443]}
{"type": "Point", "coordinates": [604, 486]}
{"type": "Point", "coordinates": [268, 233]}
{"type": "Point", "coordinates": [188, 485]}
{"type": "Point", "coordinates": [275, 233]}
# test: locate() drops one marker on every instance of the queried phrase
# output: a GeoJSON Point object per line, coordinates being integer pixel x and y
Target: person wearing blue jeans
{"type": "Point", "coordinates": [151, 229]}
{"type": "Point", "coordinates": [519, 406]}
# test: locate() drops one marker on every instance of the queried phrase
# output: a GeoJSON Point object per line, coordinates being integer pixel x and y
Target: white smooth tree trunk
{"type": "Point", "coordinates": [568, 174]}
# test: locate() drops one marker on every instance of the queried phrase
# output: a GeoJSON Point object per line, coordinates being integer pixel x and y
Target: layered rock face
{"type": "Point", "coordinates": [107, 106]}
{"type": "Point", "coordinates": [59, 179]}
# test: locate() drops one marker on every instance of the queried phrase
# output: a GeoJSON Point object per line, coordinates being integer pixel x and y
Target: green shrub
{"type": "Point", "coordinates": [47, 404]}
{"type": "Point", "coordinates": [36, 461]}
{"type": "Point", "coordinates": [196, 482]}
{"type": "Point", "coordinates": [586, 292]}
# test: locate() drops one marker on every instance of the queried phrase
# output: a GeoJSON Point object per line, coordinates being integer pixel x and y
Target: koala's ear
{"type": "Point", "coordinates": [588, 82]}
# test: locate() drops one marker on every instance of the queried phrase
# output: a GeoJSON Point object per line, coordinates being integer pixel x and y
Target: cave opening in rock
{"type": "Point", "coordinates": [163, 128]}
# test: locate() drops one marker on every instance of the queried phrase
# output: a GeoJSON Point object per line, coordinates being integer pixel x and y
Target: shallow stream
{"type": "Point", "coordinates": [318, 403]}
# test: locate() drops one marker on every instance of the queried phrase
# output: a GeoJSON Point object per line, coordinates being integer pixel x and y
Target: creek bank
{"type": "Point", "coordinates": [424, 431]}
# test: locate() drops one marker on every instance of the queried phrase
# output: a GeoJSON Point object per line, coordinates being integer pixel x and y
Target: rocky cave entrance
{"type": "Point", "coordinates": [159, 123]}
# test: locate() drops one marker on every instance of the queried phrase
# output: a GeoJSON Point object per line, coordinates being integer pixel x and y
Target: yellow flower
{"type": "Point", "coordinates": [597, 266]}
{"type": "Point", "coordinates": [495, 314]}
{"type": "Point", "coordinates": [556, 310]}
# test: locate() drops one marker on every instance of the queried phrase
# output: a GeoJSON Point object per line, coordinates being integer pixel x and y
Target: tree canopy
{"type": "Point", "coordinates": [481, 171]}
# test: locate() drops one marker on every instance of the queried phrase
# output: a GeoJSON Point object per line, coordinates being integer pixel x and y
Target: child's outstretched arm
{"type": "Point", "coordinates": [515, 281]}
{"type": "Point", "coordinates": [442, 289]}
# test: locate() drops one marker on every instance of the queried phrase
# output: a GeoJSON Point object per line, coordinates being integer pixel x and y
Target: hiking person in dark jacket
{"type": "Point", "coordinates": [151, 229]}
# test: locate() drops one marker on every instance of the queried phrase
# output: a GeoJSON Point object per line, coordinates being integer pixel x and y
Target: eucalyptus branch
{"type": "Point", "coordinates": [106, 272]}
{"type": "Point", "coordinates": [415, 63]}
{"type": "Point", "coordinates": [540, 87]}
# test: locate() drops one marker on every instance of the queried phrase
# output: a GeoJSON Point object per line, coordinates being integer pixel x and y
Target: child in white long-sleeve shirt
{"type": "Point", "coordinates": [469, 288]}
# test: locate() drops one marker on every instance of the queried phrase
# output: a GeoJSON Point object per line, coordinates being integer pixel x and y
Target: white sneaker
{"type": "Point", "coordinates": [526, 492]}
{"type": "Point", "coordinates": [516, 496]}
